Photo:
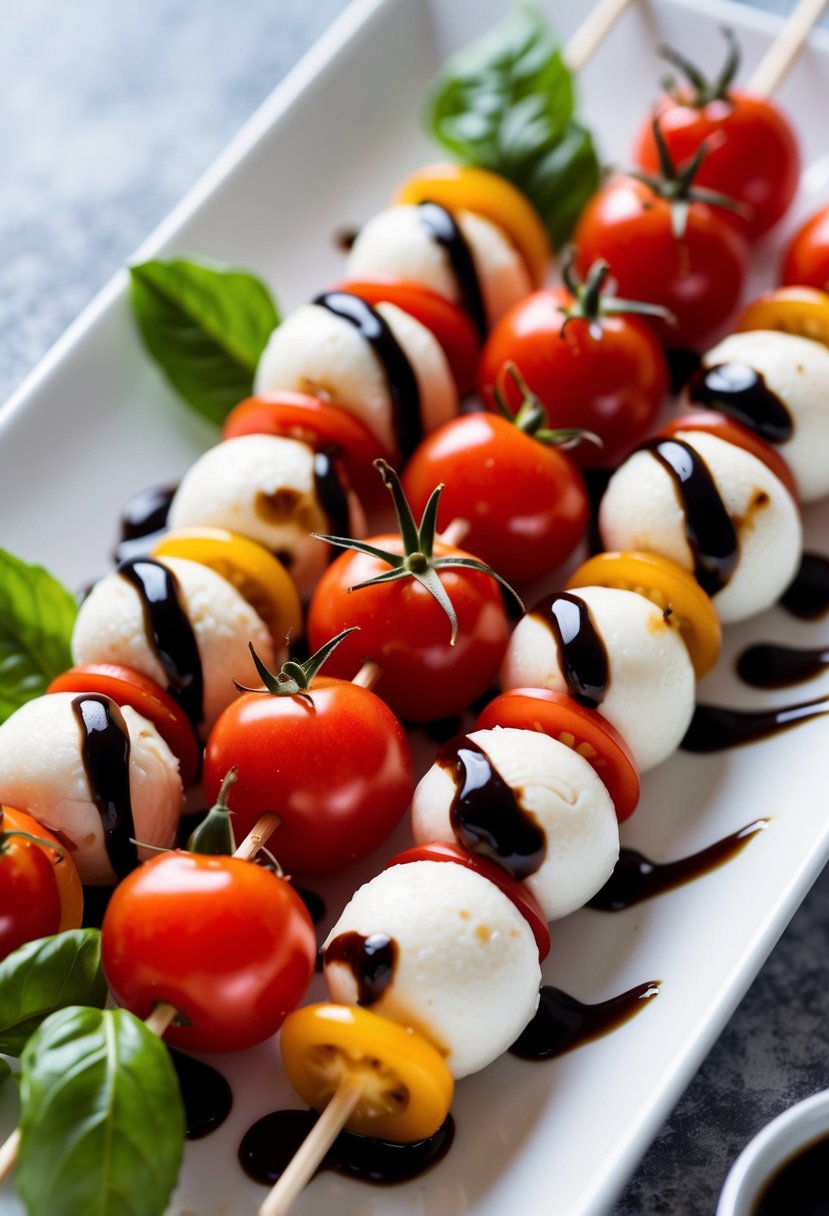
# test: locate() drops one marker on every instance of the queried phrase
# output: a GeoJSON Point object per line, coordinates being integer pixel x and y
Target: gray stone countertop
{"type": "Point", "coordinates": [89, 163]}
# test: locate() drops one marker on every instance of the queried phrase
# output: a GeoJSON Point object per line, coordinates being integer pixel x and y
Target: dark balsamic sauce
{"type": "Point", "coordinates": [206, 1095]}
{"type": "Point", "coordinates": [562, 1023]}
{"type": "Point", "coordinates": [682, 363]}
{"type": "Point", "coordinates": [807, 596]}
{"type": "Point", "coordinates": [582, 656]}
{"type": "Point", "coordinates": [714, 728]}
{"type": "Point", "coordinates": [105, 752]}
{"type": "Point", "coordinates": [400, 376]}
{"type": "Point", "coordinates": [169, 632]}
{"type": "Point", "coordinates": [269, 1146]}
{"type": "Point", "coordinates": [711, 535]}
{"type": "Point", "coordinates": [636, 878]}
{"type": "Point", "coordinates": [371, 960]}
{"type": "Point", "coordinates": [143, 521]}
{"type": "Point", "coordinates": [486, 814]}
{"type": "Point", "coordinates": [345, 239]}
{"type": "Point", "coordinates": [768, 665]}
{"type": "Point", "coordinates": [741, 392]}
{"type": "Point", "coordinates": [799, 1186]}
{"type": "Point", "coordinates": [443, 229]}
{"type": "Point", "coordinates": [331, 494]}
{"type": "Point", "coordinates": [314, 903]}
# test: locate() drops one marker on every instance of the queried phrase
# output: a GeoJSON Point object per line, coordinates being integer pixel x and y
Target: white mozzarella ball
{"type": "Point", "coordinates": [650, 690]}
{"type": "Point", "coordinates": [42, 772]}
{"type": "Point", "coordinates": [466, 974]}
{"type": "Point", "coordinates": [797, 371]}
{"type": "Point", "coordinates": [111, 628]}
{"type": "Point", "coordinates": [642, 510]}
{"type": "Point", "coordinates": [315, 351]}
{"type": "Point", "coordinates": [559, 792]}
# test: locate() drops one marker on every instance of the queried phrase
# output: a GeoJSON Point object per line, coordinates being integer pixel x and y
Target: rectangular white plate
{"type": "Point", "coordinates": [95, 422]}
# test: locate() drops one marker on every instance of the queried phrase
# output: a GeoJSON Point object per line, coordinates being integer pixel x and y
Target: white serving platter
{"type": "Point", "coordinates": [95, 423]}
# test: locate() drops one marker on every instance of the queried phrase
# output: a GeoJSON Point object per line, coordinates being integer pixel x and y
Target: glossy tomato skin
{"type": "Point", "coordinates": [336, 768]}
{"type": "Point", "coordinates": [613, 384]}
{"type": "Point", "coordinates": [228, 943]}
{"type": "Point", "coordinates": [699, 278]}
{"type": "Point", "coordinates": [752, 154]}
{"type": "Point", "coordinates": [482, 458]}
{"type": "Point", "coordinates": [40, 891]}
{"type": "Point", "coordinates": [806, 260]}
{"type": "Point", "coordinates": [406, 631]}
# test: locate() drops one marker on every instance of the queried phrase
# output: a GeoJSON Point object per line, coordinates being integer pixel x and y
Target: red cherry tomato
{"type": "Point", "coordinates": [128, 687]}
{"type": "Point", "coordinates": [334, 764]}
{"type": "Point", "coordinates": [587, 732]}
{"type": "Point", "coordinates": [449, 323]}
{"type": "Point", "coordinates": [609, 377]}
{"type": "Point", "coordinates": [319, 424]}
{"type": "Point", "coordinates": [407, 632]}
{"type": "Point", "coordinates": [229, 944]}
{"type": "Point", "coordinates": [482, 458]}
{"type": "Point", "coordinates": [516, 892]}
{"type": "Point", "coordinates": [806, 260]}
{"type": "Point", "coordinates": [699, 277]}
{"type": "Point", "coordinates": [40, 891]}
{"type": "Point", "coordinates": [726, 428]}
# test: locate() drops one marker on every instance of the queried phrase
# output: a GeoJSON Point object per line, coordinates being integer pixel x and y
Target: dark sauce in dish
{"type": "Point", "coordinates": [636, 878]}
{"type": "Point", "coordinates": [741, 392]}
{"type": "Point", "coordinates": [105, 752]}
{"type": "Point", "coordinates": [443, 229]}
{"type": "Point", "coordinates": [269, 1146]}
{"type": "Point", "coordinates": [486, 814]}
{"type": "Point", "coordinates": [807, 596]}
{"type": "Point", "coordinates": [206, 1095]}
{"type": "Point", "coordinates": [768, 665]}
{"type": "Point", "coordinates": [561, 1023]}
{"type": "Point", "coordinates": [371, 960]}
{"type": "Point", "coordinates": [714, 728]}
{"type": "Point", "coordinates": [582, 656]}
{"type": "Point", "coordinates": [331, 494]}
{"type": "Point", "coordinates": [800, 1186]}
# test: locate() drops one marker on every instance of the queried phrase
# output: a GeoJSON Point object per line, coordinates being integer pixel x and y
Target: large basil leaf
{"type": "Point", "coordinates": [37, 615]}
{"type": "Point", "coordinates": [102, 1121]}
{"type": "Point", "coordinates": [206, 326]}
{"type": "Point", "coordinates": [42, 976]}
{"type": "Point", "coordinates": [506, 103]}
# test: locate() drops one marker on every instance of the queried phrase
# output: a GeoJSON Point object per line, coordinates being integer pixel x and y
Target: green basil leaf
{"type": "Point", "coordinates": [37, 615]}
{"type": "Point", "coordinates": [206, 326]}
{"type": "Point", "coordinates": [101, 1120]}
{"type": "Point", "coordinates": [48, 974]}
{"type": "Point", "coordinates": [506, 103]}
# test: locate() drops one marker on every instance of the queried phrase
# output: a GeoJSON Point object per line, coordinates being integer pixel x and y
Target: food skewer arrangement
{"type": "Point", "coordinates": [516, 822]}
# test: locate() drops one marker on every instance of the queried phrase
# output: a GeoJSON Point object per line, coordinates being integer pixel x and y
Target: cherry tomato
{"type": "Point", "coordinates": [40, 891]}
{"type": "Point", "coordinates": [726, 428]}
{"type": "Point", "coordinates": [587, 732]}
{"type": "Point", "coordinates": [228, 943]}
{"type": "Point", "coordinates": [405, 630]}
{"type": "Point", "coordinates": [802, 311]}
{"type": "Point", "coordinates": [127, 687]}
{"type": "Point", "coordinates": [449, 323]}
{"type": "Point", "coordinates": [333, 763]}
{"type": "Point", "coordinates": [806, 260]}
{"type": "Point", "coordinates": [517, 892]}
{"type": "Point", "coordinates": [698, 277]}
{"type": "Point", "coordinates": [607, 375]}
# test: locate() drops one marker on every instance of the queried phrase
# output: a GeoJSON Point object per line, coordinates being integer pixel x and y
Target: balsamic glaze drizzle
{"type": "Point", "coordinates": [143, 520]}
{"type": "Point", "coordinates": [105, 752]}
{"type": "Point", "coordinates": [331, 493]}
{"type": "Point", "coordinates": [371, 960]}
{"type": "Point", "coordinates": [562, 1023]}
{"type": "Point", "coordinates": [768, 665]}
{"type": "Point", "coordinates": [206, 1095]}
{"type": "Point", "coordinates": [714, 728]}
{"type": "Point", "coordinates": [582, 656]}
{"type": "Point", "coordinates": [741, 392]}
{"type": "Point", "coordinates": [443, 229]}
{"type": "Point", "coordinates": [807, 596]}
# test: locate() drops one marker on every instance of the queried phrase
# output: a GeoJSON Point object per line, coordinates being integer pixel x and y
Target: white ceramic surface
{"type": "Point", "coordinates": [96, 422]}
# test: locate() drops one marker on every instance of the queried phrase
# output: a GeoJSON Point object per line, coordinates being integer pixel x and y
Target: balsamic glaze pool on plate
{"type": "Point", "coordinates": [769, 665]}
{"type": "Point", "coordinates": [206, 1095]}
{"type": "Point", "coordinates": [714, 728]}
{"type": "Point", "coordinates": [807, 596]}
{"type": "Point", "coordinates": [562, 1023]}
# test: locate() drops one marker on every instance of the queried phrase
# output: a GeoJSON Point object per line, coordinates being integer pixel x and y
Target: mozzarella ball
{"type": "Point", "coordinates": [42, 772]}
{"type": "Point", "coordinates": [111, 628]}
{"type": "Point", "coordinates": [557, 791]}
{"type": "Point", "coordinates": [316, 351]}
{"type": "Point", "coordinates": [397, 243]}
{"type": "Point", "coordinates": [650, 689]}
{"type": "Point", "coordinates": [796, 370]}
{"type": "Point", "coordinates": [263, 487]}
{"type": "Point", "coordinates": [641, 509]}
{"type": "Point", "coordinates": [466, 973]}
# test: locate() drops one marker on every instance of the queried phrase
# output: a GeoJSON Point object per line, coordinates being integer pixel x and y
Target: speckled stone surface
{"type": "Point", "coordinates": [109, 112]}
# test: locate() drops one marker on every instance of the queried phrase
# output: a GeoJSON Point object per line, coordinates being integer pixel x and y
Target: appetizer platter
{"type": "Point", "coordinates": [440, 292]}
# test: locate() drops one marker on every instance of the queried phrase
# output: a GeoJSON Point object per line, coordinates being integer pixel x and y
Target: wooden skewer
{"type": "Point", "coordinates": [258, 835]}
{"type": "Point", "coordinates": [312, 1150]}
{"type": "Point", "coordinates": [592, 32]}
{"type": "Point", "coordinates": [368, 675]}
{"type": "Point", "coordinates": [8, 1154]}
{"type": "Point", "coordinates": [786, 47]}
{"type": "Point", "coordinates": [455, 534]}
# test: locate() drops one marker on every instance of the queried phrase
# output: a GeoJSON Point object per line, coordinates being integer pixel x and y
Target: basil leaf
{"type": "Point", "coordinates": [42, 976]}
{"type": "Point", "coordinates": [506, 103]}
{"type": "Point", "coordinates": [37, 615]}
{"type": "Point", "coordinates": [206, 326]}
{"type": "Point", "coordinates": [101, 1121]}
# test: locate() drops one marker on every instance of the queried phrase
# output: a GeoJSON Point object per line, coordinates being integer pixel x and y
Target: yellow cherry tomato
{"type": "Point", "coordinates": [803, 311]}
{"type": "Point", "coordinates": [254, 572]}
{"type": "Point", "coordinates": [667, 585]}
{"type": "Point", "coordinates": [460, 187]}
{"type": "Point", "coordinates": [407, 1086]}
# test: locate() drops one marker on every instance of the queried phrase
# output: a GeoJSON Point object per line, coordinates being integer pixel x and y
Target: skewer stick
{"type": "Point", "coordinates": [258, 835]}
{"type": "Point", "coordinates": [788, 44]}
{"type": "Point", "coordinates": [592, 32]}
{"type": "Point", "coordinates": [312, 1150]}
{"type": "Point", "coordinates": [8, 1154]}
{"type": "Point", "coordinates": [455, 533]}
{"type": "Point", "coordinates": [368, 675]}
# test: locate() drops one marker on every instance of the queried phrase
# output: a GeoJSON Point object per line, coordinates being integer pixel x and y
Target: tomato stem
{"type": "Point", "coordinates": [6, 836]}
{"type": "Point", "coordinates": [214, 835]}
{"type": "Point", "coordinates": [703, 90]}
{"type": "Point", "coordinates": [293, 678]}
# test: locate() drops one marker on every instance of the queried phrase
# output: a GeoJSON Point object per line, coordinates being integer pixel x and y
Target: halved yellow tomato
{"type": "Point", "coordinates": [803, 311]}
